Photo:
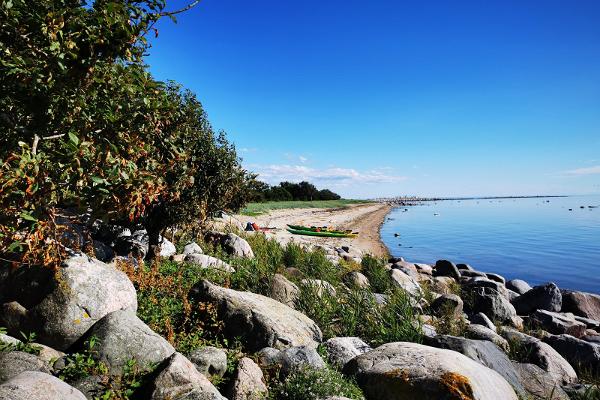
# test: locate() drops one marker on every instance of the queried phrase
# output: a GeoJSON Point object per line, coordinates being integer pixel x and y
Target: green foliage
{"type": "Point", "coordinates": [25, 345]}
{"type": "Point", "coordinates": [83, 364]}
{"type": "Point", "coordinates": [310, 383]}
{"type": "Point", "coordinates": [379, 277]}
{"type": "Point", "coordinates": [287, 191]}
{"type": "Point", "coordinates": [256, 208]}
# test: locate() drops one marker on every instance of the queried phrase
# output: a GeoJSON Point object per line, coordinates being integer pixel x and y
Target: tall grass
{"type": "Point", "coordinates": [262, 208]}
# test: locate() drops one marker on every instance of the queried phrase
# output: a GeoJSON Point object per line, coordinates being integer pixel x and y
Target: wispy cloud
{"type": "Point", "coordinates": [584, 171]}
{"type": "Point", "coordinates": [248, 149]}
{"type": "Point", "coordinates": [333, 176]}
{"type": "Point", "coordinates": [303, 159]}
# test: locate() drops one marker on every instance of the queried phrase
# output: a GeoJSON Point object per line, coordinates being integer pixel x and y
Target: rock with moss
{"type": "Point", "coordinates": [34, 385]}
{"type": "Point", "coordinates": [402, 370]}
{"type": "Point", "coordinates": [61, 306]}
{"type": "Point", "coordinates": [258, 320]}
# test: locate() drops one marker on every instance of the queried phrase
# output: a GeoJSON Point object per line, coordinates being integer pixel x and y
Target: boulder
{"type": "Point", "coordinates": [580, 303]}
{"type": "Point", "coordinates": [482, 319]}
{"type": "Point", "coordinates": [464, 267]}
{"type": "Point", "coordinates": [495, 277]}
{"type": "Point", "coordinates": [340, 350]}
{"type": "Point", "coordinates": [446, 268]}
{"type": "Point", "coordinates": [12, 363]}
{"type": "Point", "coordinates": [424, 269]}
{"type": "Point", "coordinates": [583, 356]}
{"type": "Point", "coordinates": [401, 370]}
{"type": "Point", "coordinates": [442, 284]}
{"type": "Point", "coordinates": [205, 261]}
{"type": "Point", "coordinates": [408, 268]}
{"type": "Point", "coordinates": [485, 353]}
{"type": "Point", "coordinates": [480, 332]}
{"type": "Point", "coordinates": [122, 336]}
{"type": "Point", "coordinates": [589, 323]}
{"type": "Point", "coordinates": [543, 297]}
{"type": "Point", "coordinates": [258, 320]}
{"type": "Point", "coordinates": [471, 284]}
{"type": "Point", "coordinates": [8, 340]}
{"type": "Point", "coordinates": [209, 361]}
{"type": "Point", "coordinates": [533, 351]}
{"type": "Point", "coordinates": [410, 285]}
{"type": "Point", "coordinates": [284, 291]}
{"type": "Point", "coordinates": [34, 385]}
{"type": "Point", "coordinates": [357, 280]}
{"type": "Point", "coordinates": [248, 382]}
{"type": "Point", "coordinates": [61, 306]}
{"type": "Point", "coordinates": [192, 248]}
{"type": "Point", "coordinates": [294, 358]}
{"type": "Point", "coordinates": [557, 323]}
{"type": "Point", "coordinates": [519, 286]}
{"type": "Point", "coordinates": [231, 243]}
{"type": "Point", "coordinates": [493, 304]}
{"type": "Point", "coordinates": [318, 286]}
{"type": "Point", "coordinates": [102, 251]}
{"type": "Point", "coordinates": [179, 379]}
{"type": "Point", "coordinates": [538, 384]}
{"type": "Point", "coordinates": [447, 304]}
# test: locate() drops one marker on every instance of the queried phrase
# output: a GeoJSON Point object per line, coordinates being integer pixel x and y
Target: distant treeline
{"type": "Point", "coordinates": [287, 191]}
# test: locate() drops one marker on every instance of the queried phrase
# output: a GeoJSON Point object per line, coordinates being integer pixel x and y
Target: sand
{"type": "Point", "coordinates": [364, 218]}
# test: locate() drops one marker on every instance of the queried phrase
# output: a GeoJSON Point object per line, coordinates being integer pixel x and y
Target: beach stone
{"type": "Point", "coordinates": [138, 242]}
{"type": "Point", "coordinates": [442, 284]}
{"type": "Point", "coordinates": [61, 306]}
{"type": "Point", "coordinates": [90, 386]}
{"type": "Point", "coordinates": [583, 356]}
{"type": "Point", "coordinates": [557, 323]}
{"type": "Point", "coordinates": [340, 350]}
{"type": "Point", "coordinates": [284, 291]}
{"type": "Point", "coordinates": [205, 261]}
{"type": "Point", "coordinates": [580, 303]}
{"type": "Point", "coordinates": [12, 363]}
{"type": "Point", "coordinates": [589, 323]}
{"type": "Point", "coordinates": [192, 248]}
{"type": "Point", "coordinates": [209, 361]}
{"type": "Point", "coordinates": [231, 243]}
{"type": "Point", "coordinates": [534, 351]}
{"type": "Point", "coordinates": [9, 340]}
{"type": "Point", "coordinates": [447, 303]}
{"type": "Point", "coordinates": [258, 320]}
{"type": "Point", "coordinates": [268, 357]}
{"type": "Point", "coordinates": [424, 269]}
{"type": "Point", "coordinates": [518, 286]}
{"type": "Point", "coordinates": [464, 267]}
{"type": "Point", "coordinates": [543, 297]}
{"type": "Point", "coordinates": [428, 330]}
{"type": "Point", "coordinates": [380, 298]}
{"type": "Point", "coordinates": [490, 302]}
{"type": "Point", "coordinates": [357, 279]}
{"type": "Point", "coordinates": [495, 277]}
{"type": "Point", "coordinates": [402, 370]}
{"type": "Point", "coordinates": [179, 379]}
{"type": "Point", "coordinates": [538, 384]}
{"type": "Point", "coordinates": [446, 268]}
{"type": "Point", "coordinates": [480, 332]}
{"type": "Point", "coordinates": [248, 382]}
{"type": "Point", "coordinates": [408, 268]}
{"type": "Point", "coordinates": [34, 385]}
{"type": "Point", "coordinates": [482, 319]}
{"type": "Point", "coordinates": [469, 273]}
{"type": "Point", "coordinates": [122, 336]}
{"type": "Point", "coordinates": [512, 295]}
{"type": "Point", "coordinates": [485, 353]}
{"type": "Point", "coordinates": [319, 286]}
{"type": "Point", "coordinates": [472, 284]}
{"type": "Point", "coordinates": [410, 285]}
{"type": "Point", "coordinates": [293, 358]}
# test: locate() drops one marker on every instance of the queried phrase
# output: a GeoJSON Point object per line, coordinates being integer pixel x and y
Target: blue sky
{"type": "Point", "coordinates": [381, 98]}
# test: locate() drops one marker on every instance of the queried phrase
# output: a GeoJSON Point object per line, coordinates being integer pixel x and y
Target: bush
{"type": "Point", "coordinates": [309, 383]}
{"type": "Point", "coordinates": [379, 277]}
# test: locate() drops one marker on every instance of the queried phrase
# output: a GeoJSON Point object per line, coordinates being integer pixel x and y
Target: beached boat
{"type": "Point", "coordinates": [318, 229]}
{"type": "Point", "coordinates": [322, 233]}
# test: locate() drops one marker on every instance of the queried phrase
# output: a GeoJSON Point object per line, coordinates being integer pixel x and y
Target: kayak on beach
{"type": "Point", "coordinates": [319, 229]}
{"type": "Point", "coordinates": [324, 233]}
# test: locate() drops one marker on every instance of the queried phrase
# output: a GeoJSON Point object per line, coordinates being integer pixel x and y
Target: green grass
{"type": "Point", "coordinates": [262, 208]}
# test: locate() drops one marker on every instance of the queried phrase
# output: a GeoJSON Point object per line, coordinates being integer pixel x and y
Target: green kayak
{"type": "Point", "coordinates": [322, 233]}
{"type": "Point", "coordinates": [317, 229]}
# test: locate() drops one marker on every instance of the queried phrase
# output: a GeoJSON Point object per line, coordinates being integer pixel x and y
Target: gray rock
{"type": "Point", "coordinates": [464, 267]}
{"type": "Point", "coordinates": [179, 379]}
{"type": "Point", "coordinates": [380, 298]}
{"type": "Point", "coordinates": [447, 303]}
{"type": "Point", "coordinates": [519, 286]}
{"type": "Point", "coordinates": [512, 295]}
{"type": "Point", "coordinates": [61, 307]}
{"type": "Point", "coordinates": [293, 358]}
{"type": "Point", "coordinates": [358, 280]}
{"type": "Point", "coordinates": [482, 319]}
{"type": "Point", "coordinates": [258, 320]}
{"type": "Point", "coordinates": [408, 268]}
{"type": "Point", "coordinates": [284, 291]}
{"type": "Point", "coordinates": [399, 371]}
{"type": "Point", "coordinates": [90, 386]}
{"type": "Point", "coordinates": [248, 382]}
{"type": "Point", "coordinates": [472, 284]}
{"type": "Point", "coordinates": [268, 356]}
{"type": "Point", "coordinates": [8, 340]}
{"type": "Point", "coordinates": [495, 277]}
{"type": "Point", "coordinates": [47, 354]}
{"type": "Point", "coordinates": [485, 353]}
{"type": "Point", "coordinates": [192, 248]}
{"type": "Point", "coordinates": [557, 323]}
{"type": "Point", "coordinates": [446, 268]}
{"type": "Point", "coordinates": [473, 274]}
{"type": "Point", "coordinates": [102, 251]}
{"type": "Point", "coordinates": [580, 303]}
{"type": "Point", "coordinates": [122, 336]}
{"type": "Point", "coordinates": [534, 351]}
{"type": "Point", "coordinates": [208, 262]}
{"type": "Point", "coordinates": [428, 331]}
{"type": "Point", "coordinates": [318, 286]}
{"type": "Point", "coordinates": [543, 297]}
{"type": "Point", "coordinates": [480, 332]}
{"type": "Point", "coordinates": [493, 304]}
{"type": "Point", "coordinates": [14, 362]}
{"type": "Point", "coordinates": [340, 350]}
{"type": "Point", "coordinates": [33, 385]}
{"type": "Point", "coordinates": [583, 356]}
{"type": "Point", "coordinates": [410, 285]}
{"type": "Point", "coordinates": [589, 323]}
{"type": "Point", "coordinates": [231, 243]}
{"type": "Point", "coordinates": [209, 361]}
{"type": "Point", "coordinates": [538, 384]}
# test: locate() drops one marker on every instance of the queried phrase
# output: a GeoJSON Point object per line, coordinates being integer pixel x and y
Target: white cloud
{"type": "Point", "coordinates": [303, 159]}
{"type": "Point", "coordinates": [584, 171]}
{"type": "Point", "coordinates": [333, 176]}
{"type": "Point", "coordinates": [248, 149]}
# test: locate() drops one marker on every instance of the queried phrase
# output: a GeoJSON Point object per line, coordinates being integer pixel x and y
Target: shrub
{"type": "Point", "coordinates": [379, 277]}
{"type": "Point", "coordinates": [25, 345]}
{"type": "Point", "coordinates": [309, 383]}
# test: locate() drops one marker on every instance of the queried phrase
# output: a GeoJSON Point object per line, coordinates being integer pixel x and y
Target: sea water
{"type": "Point", "coordinates": [535, 239]}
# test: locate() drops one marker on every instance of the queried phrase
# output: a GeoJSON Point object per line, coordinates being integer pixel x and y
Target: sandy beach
{"type": "Point", "coordinates": [364, 218]}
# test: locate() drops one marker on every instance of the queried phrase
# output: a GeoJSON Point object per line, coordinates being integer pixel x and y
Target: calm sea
{"type": "Point", "coordinates": [538, 240]}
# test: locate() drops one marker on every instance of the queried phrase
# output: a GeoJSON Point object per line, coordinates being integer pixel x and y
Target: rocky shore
{"type": "Point", "coordinates": [439, 331]}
